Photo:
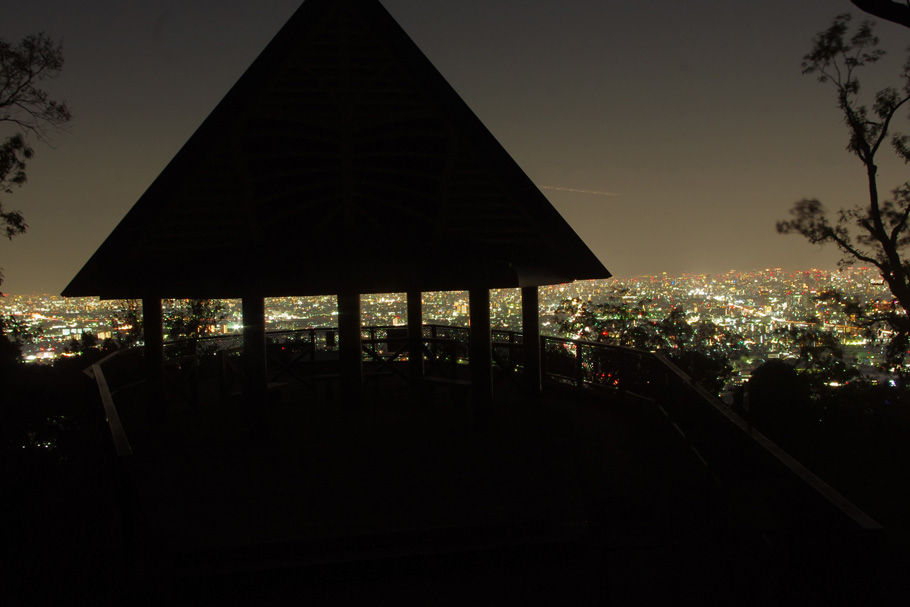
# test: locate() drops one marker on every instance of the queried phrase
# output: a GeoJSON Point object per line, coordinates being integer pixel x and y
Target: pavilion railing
{"type": "Point", "coordinates": [306, 355]}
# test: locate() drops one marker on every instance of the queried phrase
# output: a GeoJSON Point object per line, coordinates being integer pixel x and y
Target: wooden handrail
{"type": "Point", "coordinates": [118, 434]}
{"type": "Point", "coordinates": [845, 506]}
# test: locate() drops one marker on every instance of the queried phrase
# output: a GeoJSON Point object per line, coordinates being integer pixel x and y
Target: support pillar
{"type": "Point", "coordinates": [254, 354]}
{"type": "Point", "coordinates": [530, 329]}
{"type": "Point", "coordinates": [350, 348]}
{"type": "Point", "coordinates": [153, 334]}
{"type": "Point", "coordinates": [415, 336]}
{"type": "Point", "coordinates": [481, 351]}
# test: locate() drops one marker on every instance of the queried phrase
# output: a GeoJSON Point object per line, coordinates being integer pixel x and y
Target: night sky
{"type": "Point", "coordinates": [690, 120]}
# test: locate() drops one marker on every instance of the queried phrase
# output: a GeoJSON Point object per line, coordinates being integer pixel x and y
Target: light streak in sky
{"type": "Point", "coordinates": [577, 191]}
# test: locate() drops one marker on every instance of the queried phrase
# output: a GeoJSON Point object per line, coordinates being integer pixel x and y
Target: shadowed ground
{"type": "Point", "coordinates": [586, 497]}
{"type": "Point", "coordinates": [572, 498]}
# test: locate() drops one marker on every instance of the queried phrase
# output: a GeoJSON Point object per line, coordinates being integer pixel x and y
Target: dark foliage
{"type": "Point", "coordinates": [13, 334]}
{"type": "Point", "coordinates": [704, 350]}
{"type": "Point", "coordinates": [777, 401]}
{"type": "Point", "coordinates": [10, 351]}
{"type": "Point", "coordinates": [128, 322]}
{"type": "Point", "coordinates": [27, 110]}
{"type": "Point", "coordinates": [820, 355]}
{"type": "Point", "coordinates": [855, 437]}
{"type": "Point", "coordinates": [613, 320]}
{"type": "Point", "coordinates": [187, 326]}
{"type": "Point", "coordinates": [59, 519]}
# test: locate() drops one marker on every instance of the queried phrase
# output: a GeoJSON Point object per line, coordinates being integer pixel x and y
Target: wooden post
{"type": "Point", "coordinates": [530, 328]}
{"type": "Point", "coordinates": [579, 366]}
{"type": "Point", "coordinates": [350, 355]}
{"type": "Point", "coordinates": [254, 354]}
{"type": "Point", "coordinates": [481, 350]}
{"type": "Point", "coordinates": [153, 334]}
{"type": "Point", "coordinates": [415, 336]}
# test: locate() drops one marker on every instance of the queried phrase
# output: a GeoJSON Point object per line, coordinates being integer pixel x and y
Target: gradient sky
{"type": "Point", "coordinates": [693, 115]}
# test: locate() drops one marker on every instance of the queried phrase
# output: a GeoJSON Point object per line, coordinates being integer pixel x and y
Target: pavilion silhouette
{"type": "Point", "coordinates": [341, 162]}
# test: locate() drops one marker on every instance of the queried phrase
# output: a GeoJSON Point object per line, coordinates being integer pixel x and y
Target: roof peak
{"type": "Point", "coordinates": [341, 160]}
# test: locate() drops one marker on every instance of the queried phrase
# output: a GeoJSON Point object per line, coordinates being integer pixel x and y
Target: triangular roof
{"type": "Point", "coordinates": [341, 161]}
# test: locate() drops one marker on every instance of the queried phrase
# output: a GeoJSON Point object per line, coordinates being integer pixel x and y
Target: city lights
{"type": "Point", "coordinates": [755, 305]}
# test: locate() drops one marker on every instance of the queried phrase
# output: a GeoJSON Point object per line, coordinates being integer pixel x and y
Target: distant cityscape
{"type": "Point", "coordinates": [753, 304]}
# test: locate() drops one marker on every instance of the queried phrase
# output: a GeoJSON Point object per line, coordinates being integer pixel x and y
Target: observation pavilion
{"type": "Point", "coordinates": [341, 162]}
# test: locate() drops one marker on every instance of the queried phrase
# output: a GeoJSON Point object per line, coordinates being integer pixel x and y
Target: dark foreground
{"type": "Point", "coordinates": [581, 498]}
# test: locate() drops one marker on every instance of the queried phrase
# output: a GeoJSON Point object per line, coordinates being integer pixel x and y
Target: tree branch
{"type": "Point", "coordinates": [846, 246]}
{"type": "Point", "coordinates": [901, 223]}
{"type": "Point", "coordinates": [887, 122]}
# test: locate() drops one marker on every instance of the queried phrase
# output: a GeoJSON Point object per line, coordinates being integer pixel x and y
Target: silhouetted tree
{"type": "Point", "coordinates": [820, 355]}
{"type": "Point", "coordinates": [86, 342]}
{"type": "Point", "coordinates": [14, 333]}
{"type": "Point", "coordinates": [897, 12]}
{"type": "Point", "coordinates": [10, 349]}
{"type": "Point", "coordinates": [613, 320]}
{"type": "Point", "coordinates": [26, 110]}
{"type": "Point", "coordinates": [777, 401]}
{"type": "Point", "coordinates": [128, 322]}
{"type": "Point", "coordinates": [705, 350]}
{"type": "Point", "coordinates": [875, 233]}
{"type": "Point", "coordinates": [186, 327]}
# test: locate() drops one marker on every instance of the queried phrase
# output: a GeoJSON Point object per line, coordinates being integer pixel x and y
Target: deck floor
{"type": "Point", "coordinates": [589, 496]}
